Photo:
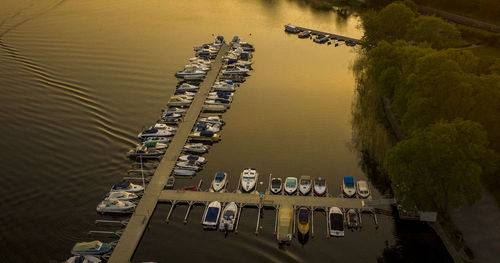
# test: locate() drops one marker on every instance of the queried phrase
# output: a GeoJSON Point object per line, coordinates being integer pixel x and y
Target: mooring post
{"type": "Point", "coordinates": [312, 222]}
{"type": "Point", "coordinates": [167, 220]}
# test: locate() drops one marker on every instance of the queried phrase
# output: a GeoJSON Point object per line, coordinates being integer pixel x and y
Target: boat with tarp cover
{"type": "Point", "coordinates": [127, 187]}
{"type": "Point", "coordinates": [336, 222]}
{"type": "Point", "coordinates": [211, 216]}
{"type": "Point", "coordinates": [95, 247]}
{"type": "Point", "coordinates": [348, 186]}
{"type": "Point", "coordinates": [304, 221]}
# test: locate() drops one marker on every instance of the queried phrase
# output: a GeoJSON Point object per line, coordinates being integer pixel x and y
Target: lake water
{"type": "Point", "coordinates": [80, 79]}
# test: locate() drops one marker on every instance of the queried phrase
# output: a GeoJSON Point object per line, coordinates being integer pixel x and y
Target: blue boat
{"type": "Point", "coordinates": [95, 247]}
{"type": "Point", "coordinates": [348, 186]}
{"type": "Point", "coordinates": [211, 216]}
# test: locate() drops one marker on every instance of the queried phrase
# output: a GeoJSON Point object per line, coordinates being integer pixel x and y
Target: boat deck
{"type": "Point", "coordinates": [132, 234]}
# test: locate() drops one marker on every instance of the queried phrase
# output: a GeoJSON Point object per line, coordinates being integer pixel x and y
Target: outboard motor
{"type": "Point", "coordinates": [219, 39]}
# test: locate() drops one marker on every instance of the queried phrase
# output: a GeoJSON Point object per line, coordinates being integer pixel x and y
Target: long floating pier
{"type": "Point", "coordinates": [332, 36]}
{"type": "Point", "coordinates": [138, 222]}
{"type": "Point", "coordinates": [259, 199]}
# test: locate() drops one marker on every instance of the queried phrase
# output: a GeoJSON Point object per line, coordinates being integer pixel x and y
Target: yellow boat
{"type": "Point", "coordinates": [304, 221]}
{"type": "Point", "coordinates": [204, 136]}
{"type": "Point", "coordinates": [285, 224]}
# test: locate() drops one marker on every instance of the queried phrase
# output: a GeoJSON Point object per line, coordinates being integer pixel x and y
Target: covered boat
{"type": "Point", "coordinates": [189, 165]}
{"type": "Point", "coordinates": [113, 205]}
{"type": "Point", "coordinates": [291, 29]}
{"type": "Point", "coordinates": [178, 101]}
{"type": "Point", "coordinates": [219, 181]}
{"type": "Point", "coordinates": [207, 127]}
{"type": "Point", "coordinates": [228, 218]}
{"type": "Point", "coordinates": [305, 184]}
{"type": "Point", "coordinates": [213, 108]}
{"type": "Point", "coordinates": [276, 185]}
{"type": "Point", "coordinates": [127, 187]}
{"type": "Point", "coordinates": [154, 132]}
{"type": "Point", "coordinates": [304, 220]}
{"type": "Point", "coordinates": [336, 222]}
{"type": "Point", "coordinates": [290, 185]}
{"type": "Point", "coordinates": [211, 216]}
{"type": "Point", "coordinates": [217, 119]}
{"type": "Point", "coordinates": [183, 172]}
{"type": "Point", "coordinates": [285, 223]}
{"type": "Point", "coordinates": [352, 218]}
{"type": "Point", "coordinates": [91, 248]}
{"type": "Point", "coordinates": [348, 186]}
{"type": "Point", "coordinates": [204, 136]}
{"type": "Point", "coordinates": [249, 178]}
{"type": "Point", "coordinates": [196, 158]}
{"type": "Point", "coordinates": [148, 150]}
{"type": "Point", "coordinates": [187, 87]}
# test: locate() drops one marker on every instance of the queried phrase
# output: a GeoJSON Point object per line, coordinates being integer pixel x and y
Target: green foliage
{"type": "Point", "coordinates": [434, 31]}
{"type": "Point", "coordinates": [479, 36]}
{"type": "Point", "coordinates": [438, 167]}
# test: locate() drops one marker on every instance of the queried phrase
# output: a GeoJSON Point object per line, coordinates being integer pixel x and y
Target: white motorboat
{"type": "Point", "coordinates": [197, 67]}
{"type": "Point", "coordinates": [189, 95]}
{"type": "Point", "coordinates": [95, 247]}
{"type": "Point", "coordinates": [113, 205]}
{"type": "Point", "coordinates": [336, 222]}
{"type": "Point", "coordinates": [187, 87]}
{"type": "Point", "coordinates": [319, 186]}
{"type": "Point", "coordinates": [207, 127]}
{"type": "Point", "coordinates": [163, 140]}
{"type": "Point", "coordinates": [219, 181]}
{"type": "Point", "coordinates": [83, 259]}
{"type": "Point", "coordinates": [183, 172]}
{"type": "Point", "coordinates": [249, 178]}
{"type": "Point", "coordinates": [221, 102]}
{"type": "Point", "coordinates": [276, 185]}
{"type": "Point", "coordinates": [154, 132]}
{"type": "Point", "coordinates": [362, 189]}
{"type": "Point", "coordinates": [175, 110]}
{"type": "Point", "coordinates": [165, 114]}
{"type": "Point", "coordinates": [195, 148]}
{"type": "Point", "coordinates": [122, 195]}
{"type": "Point", "coordinates": [163, 126]}
{"type": "Point", "coordinates": [212, 120]}
{"type": "Point", "coordinates": [290, 185]}
{"type": "Point", "coordinates": [348, 186]}
{"type": "Point", "coordinates": [197, 158]}
{"type": "Point", "coordinates": [222, 96]}
{"type": "Point", "coordinates": [200, 61]}
{"type": "Point", "coordinates": [178, 101]}
{"type": "Point", "coordinates": [224, 86]}
{"type": "Point", "coordinates": [148, 150]}
{"type": "Point", "coordinates": [291, 29]}
{"type": "Point", "coordinates": [213, 108]}
{"type": "Point", "coordinates": [236, 61]}
{"type": "Point", "coordinates": [190, 73]}
{"type": "Point", "coordinates": [211, 216]}
{"type": "Point", "coordinates": [127, 187]}
{"type": "Point", "coordinates": [228, 218]}
{"type": "Point", "coordinates": [305, 184]}
{"type": "Point", "coordinates": [235, 70]}
{"type": "Point", "coordinates": [189, 165]}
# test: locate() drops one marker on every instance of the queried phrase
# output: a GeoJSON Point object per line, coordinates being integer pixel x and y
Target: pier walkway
{"type": "Point", "coordinates": [259, 199]}
{"type": "Point", "coordinates": [132, 234]}
{"type": "Point", "coordinates": [332, 36]}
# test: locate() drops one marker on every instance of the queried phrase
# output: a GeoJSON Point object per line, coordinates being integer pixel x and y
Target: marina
{"type": "Point", "coordinates": [329, 36]}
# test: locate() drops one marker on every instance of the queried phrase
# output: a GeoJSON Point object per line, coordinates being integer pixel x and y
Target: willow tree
{"type": "Point", "coordinates": [438, 168]}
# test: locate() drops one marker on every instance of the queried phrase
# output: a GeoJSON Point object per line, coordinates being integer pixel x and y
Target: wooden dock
{"type": "Point", "coordinates": [259, 199]}
{"type": "Point", "coordinates": [132, 234]}
{"type": "Point", "coordinates": [332, 36]}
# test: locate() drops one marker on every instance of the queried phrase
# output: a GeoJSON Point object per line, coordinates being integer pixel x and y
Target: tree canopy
{"type": "Point", "coordinates": [438, 168]}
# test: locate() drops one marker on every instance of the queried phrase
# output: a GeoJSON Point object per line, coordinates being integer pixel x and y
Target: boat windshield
{"type": "Point", "coordinates": [305, 182]}
{"type": "Point", "coordinates": [337, 222]}
{"type": "Point", "coordinates": [303, 215]}
{"type": "Point", "coordinates": [276, 184]}
{"type": "Point", "coordinates": [229, 214]}
{"type": "Point", "coordinates": [291, 183]}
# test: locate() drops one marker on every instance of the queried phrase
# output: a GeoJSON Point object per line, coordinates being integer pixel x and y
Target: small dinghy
{"type": "Point", "coordinates": [249, 178]}
{"type": "Point", "coordinates": [154, 132]}
{"type": "Point", "coordinates": [336, 222]}
{"type": "Point", "coordinates": [183, 172]}
{"type": "Point", "coordinates": [290, 185]}
{"type": "Point", "coordinates": [352, 218]}
{"type": "Point", "coordinates": [83, 259]}
{"type": "Point", "coordinates": [189, 165]}
{"type": "Point", "coordinates": [204, 136]}
{"type": "Point", "coordinates": [319, 186]}
{"type": "Point", "coordinates": [91, 248]}
{"type": "Point", "coordinates": [348, 187]}
{"type": "Point", "coordinates": [305, 184]}
{"type": "Point", "coordinates": [362, 189]}
{"type": "Point", "coordinates": [211, 216]}
{"type": "Point", "coordinates": [195, 148]}
{"type": "Point", "coordinates": [170, 183]}
{"type": "Point", "coordinates": [122, 195]}
{"type": "Point", "coordinates": [228, 218]}
{"type": "Point", "coordinates": [196, 158]}
{"type": "Point", "coordinates": [113, 205]}
{"type": "Point", "coordinates": [304, 221]}
{"type": "Point", "coordinates": [276, 185]}
{"type": "Point", "coordinates": [127, 187]}
{"type": "Point", "coordinates": [219, 181]}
